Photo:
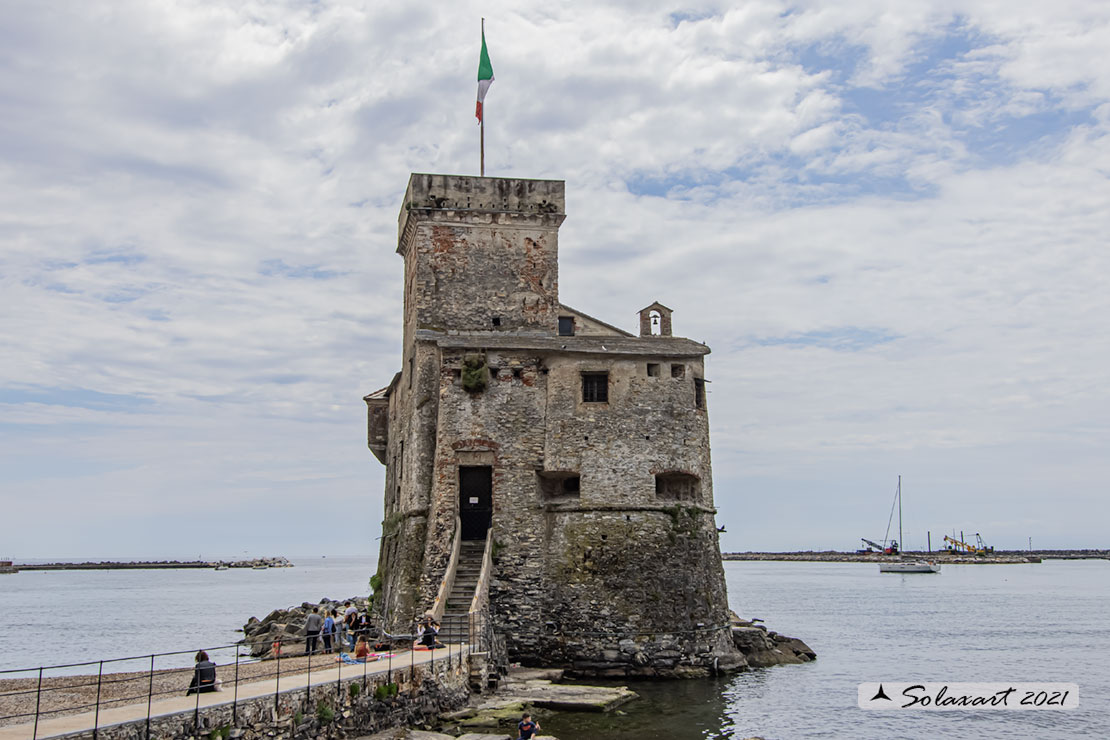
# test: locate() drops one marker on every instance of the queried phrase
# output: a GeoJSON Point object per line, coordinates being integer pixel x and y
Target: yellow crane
{"type": "Point", "coordinates": [979, 548]}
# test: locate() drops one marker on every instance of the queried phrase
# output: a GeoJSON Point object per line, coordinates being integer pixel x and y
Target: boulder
{"type": "Point", "coordinates": [404, 733]}
{"type": "Point", "coordinates": [562, 697]}
{"type": "Point", "coordinates": [763, 648]}
{"type": "Point", "coordinates": [289, 625]}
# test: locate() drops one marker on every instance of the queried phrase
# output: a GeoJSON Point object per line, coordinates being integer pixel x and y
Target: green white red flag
{"type": "Point", "coordinates": [485, 77]}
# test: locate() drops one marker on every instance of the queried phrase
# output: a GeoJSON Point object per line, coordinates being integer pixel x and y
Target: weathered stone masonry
{"type": "Point", "coordinates": [591, 445]}
{"type": "Point", "coordinates": [420, 695]}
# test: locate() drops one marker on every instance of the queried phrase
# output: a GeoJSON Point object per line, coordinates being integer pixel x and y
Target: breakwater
{"type": "Point", "coordinates": [997, 557]}
{"type": "Point", "coordinates": [833, 556]}
{"type": "Point", "coordinates": [260, 563]}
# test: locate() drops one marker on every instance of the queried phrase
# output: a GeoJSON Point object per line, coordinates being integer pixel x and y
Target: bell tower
{"type": "Point", "coordinates": [655, 321]}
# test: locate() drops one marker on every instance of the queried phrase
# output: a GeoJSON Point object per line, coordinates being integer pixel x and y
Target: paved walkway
{"type": "Point", "coordinates": [56, 726]}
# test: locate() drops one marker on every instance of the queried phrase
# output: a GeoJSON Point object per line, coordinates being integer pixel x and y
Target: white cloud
{"type": "Point", "coordinates": [898, 260]}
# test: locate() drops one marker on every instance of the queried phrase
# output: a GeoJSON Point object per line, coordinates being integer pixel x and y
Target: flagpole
{"type": "Point", "coordinates": [482, 124]}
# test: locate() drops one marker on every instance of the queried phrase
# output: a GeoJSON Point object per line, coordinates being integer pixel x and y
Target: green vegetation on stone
{"type": "Point", "coordinates": [475, 374]}
{"type": "Point", "coordinates": [385, 690]}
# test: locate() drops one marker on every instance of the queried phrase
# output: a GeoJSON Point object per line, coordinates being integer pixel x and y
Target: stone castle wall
{"type": "Point", "coordinates": [619, 572]}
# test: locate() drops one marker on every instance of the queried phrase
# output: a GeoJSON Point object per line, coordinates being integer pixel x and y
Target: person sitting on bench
{"type": "Point", "coordinates": [204, 675]}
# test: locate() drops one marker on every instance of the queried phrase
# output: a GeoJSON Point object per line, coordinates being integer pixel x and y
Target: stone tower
{"type": "Point", "coordinates": [580, 451]}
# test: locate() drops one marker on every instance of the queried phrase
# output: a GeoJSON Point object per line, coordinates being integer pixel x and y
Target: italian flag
{"type": "Point", "coordinates": [485, 77]}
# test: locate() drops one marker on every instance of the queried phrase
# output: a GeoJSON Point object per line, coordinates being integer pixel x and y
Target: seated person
{"type": "Point", "coordinates": [527, 727]}
{"type": "Point", "coordinates": [427, 631]}
{"type": "Point", "coordinates": [204, 675]}
{"type": "Point", "coordinates": [362, 649]}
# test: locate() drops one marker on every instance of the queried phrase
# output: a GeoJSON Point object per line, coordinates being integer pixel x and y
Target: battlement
{"type": "Point", "coordinates": [462, 197]}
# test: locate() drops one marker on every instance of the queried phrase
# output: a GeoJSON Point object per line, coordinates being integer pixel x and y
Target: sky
{"type": "Point", "coordinates": [887, 220]}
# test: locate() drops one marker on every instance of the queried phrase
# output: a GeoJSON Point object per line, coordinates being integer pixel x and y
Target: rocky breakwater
{"type": "Point", "coordinates": [288, 627]}
{"type": "Point", "coordinates": [834, 556]}
{"type": "Point", "coordinates": [763, 648]}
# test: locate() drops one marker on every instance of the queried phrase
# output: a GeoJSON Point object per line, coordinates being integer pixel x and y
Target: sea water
{"type": "Point", "coordinates": [72, 616]}
{"type": "Point", "coordinates": [1045, 622]}
{"type": "Point", "coordinates": [974, 623]}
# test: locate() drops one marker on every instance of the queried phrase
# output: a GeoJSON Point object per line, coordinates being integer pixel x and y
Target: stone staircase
{"type": "Point", "coordinates": [467, 571]}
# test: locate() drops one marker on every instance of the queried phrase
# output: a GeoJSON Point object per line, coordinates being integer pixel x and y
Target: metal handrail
{"type": "Point", "coordinates": [481, 591]}
{"type": "Point", "coordinates": [100, 680]}
{"type": "Point", "coordinates": [448, 581]}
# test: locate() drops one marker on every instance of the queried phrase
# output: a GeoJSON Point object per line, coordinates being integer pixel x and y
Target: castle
{"type": "Point", "coordinates": [568, 456]}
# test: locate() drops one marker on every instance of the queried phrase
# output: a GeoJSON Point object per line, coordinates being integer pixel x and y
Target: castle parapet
{"type": "Point", "coordinates": [462, 197]}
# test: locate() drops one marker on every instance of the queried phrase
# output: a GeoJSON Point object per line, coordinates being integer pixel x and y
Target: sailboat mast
{"type": "Point", "coordinates": [901, 544]}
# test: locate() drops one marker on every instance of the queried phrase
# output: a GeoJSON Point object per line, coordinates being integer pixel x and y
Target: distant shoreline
{"type": "Point", "coordinates": [942, 556]}
{"type": "Point", "coordinates": [823, 556]}
{"type": "Point", "coordinates": [260, 563]}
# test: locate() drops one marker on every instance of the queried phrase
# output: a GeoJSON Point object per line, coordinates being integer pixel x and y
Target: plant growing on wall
{"type": "Point", "coordinates": [475, 374]}
{"type": "Point", "coordinates": [375, 589]}
{"type": "Point", "coordinates": [386, 690]}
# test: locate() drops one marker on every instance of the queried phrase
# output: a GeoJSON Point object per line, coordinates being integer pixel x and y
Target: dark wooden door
{"type": "Point", "coordinates": [475, 500]}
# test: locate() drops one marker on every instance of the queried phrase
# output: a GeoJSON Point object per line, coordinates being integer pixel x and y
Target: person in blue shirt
{"type": "Point", "coordinates": [329, 630]}
{"type": "Point", "coordinates": [527, 728]}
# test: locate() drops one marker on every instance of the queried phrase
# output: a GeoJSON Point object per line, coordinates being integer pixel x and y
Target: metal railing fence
{"type": "Point", "coordinates": [105, 686]}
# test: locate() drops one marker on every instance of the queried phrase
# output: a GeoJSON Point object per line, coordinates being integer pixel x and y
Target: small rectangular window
{"type": "Point", "coordinates": [699, 393]}
{"type": "Point", "coordinates": [559, 486]}
{"type": "Point", "coordinates": [595, 387]}
{"type": "Point", "coordinates": [678, 371]}
{"type": "Point", "coordinates": [677, 487]}
{"type": "Point", "coordinates": [566, 326]}
{"type": "Point", "coordinates": [496, 320]}
{"type": "Point", "coordinates": [653, 369]}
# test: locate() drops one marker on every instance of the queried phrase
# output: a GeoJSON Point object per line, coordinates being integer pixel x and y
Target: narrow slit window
{"type": "Point", "coordinates": [699, 393]}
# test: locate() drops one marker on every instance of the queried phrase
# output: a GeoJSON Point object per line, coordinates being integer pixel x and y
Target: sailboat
{"type": "Point", "coordinates": [906, 566]}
